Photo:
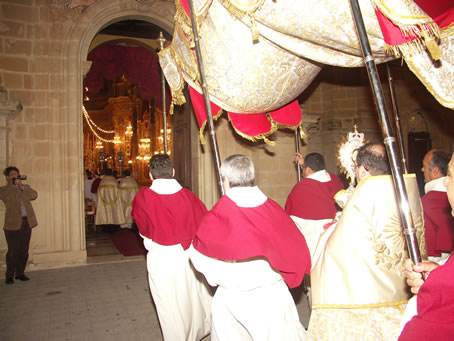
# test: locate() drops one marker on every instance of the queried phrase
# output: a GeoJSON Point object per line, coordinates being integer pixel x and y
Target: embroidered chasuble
{"type": "Point", "coordinates": [358, 289]}
{"type": "Point", "coordinates": [128, 189]}
{"type": "Point", "coordinates": [109, 210]}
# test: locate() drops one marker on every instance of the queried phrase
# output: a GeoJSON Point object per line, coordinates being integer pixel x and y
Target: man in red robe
{"type": "Point", "coordinates": [311, 202]}
{"type": "Point", "coordinates": [313, 197]}
{"type": "Point", "coordinates": [250, 248]}
{"type": "Point", "coordinates": [435, 294]}
{"type": "Point", "coordinates": [167, 216]}
{"type": "Point", "coordinates": [439, 224]}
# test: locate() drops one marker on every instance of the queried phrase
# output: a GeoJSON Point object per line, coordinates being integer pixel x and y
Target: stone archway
{"type": "Point", "coordinates": [74, 67]}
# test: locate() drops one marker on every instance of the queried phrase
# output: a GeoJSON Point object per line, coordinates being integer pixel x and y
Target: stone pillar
{"type": "Point", "coordinates": [8, 109]}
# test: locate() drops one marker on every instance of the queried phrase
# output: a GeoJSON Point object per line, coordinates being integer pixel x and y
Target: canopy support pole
{"type": "Point", "coordinates": [297, 149]}
{"type": "Point", "coordinates": [397, 118]}
{"type": "Point", "coordinates": [161, 41]}
{"type": "Point", "coordinates": [389, 140]}
{"type": "Point", "coordinates": [214, 143]}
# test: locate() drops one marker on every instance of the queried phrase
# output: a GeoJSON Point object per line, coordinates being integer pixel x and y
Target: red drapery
{"type": "Point", "coordinates": [139, 65]}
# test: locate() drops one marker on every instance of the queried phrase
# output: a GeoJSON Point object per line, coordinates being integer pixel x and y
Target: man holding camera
{"type": "Point", "coordinates": [19, 220]}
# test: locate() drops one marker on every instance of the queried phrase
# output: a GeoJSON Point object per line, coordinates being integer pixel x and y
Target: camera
{"type": "Point", "coordinates": [20, 177]}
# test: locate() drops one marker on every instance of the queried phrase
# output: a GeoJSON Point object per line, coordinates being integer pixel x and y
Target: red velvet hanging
{"type": "Point", "coordinates": [139, 65]}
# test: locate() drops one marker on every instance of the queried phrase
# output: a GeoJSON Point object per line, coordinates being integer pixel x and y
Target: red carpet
{"type": "Point", "coordinates": [128, 242]}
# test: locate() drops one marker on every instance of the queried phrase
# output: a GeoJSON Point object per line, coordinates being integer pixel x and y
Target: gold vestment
{"type": "Point", "coordinates": [358, 277]}
{"type": "Point", "coordinates": [109, 210]}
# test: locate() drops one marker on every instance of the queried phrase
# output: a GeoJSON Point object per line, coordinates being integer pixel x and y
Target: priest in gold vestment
{"type": "Point", "coordinates": [358, 288]}
{"type": "Point", "coordinates": [128, 188]}
{"type": "Point", "coordinates": [109, 210]}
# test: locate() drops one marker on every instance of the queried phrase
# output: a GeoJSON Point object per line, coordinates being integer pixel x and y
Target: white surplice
{"type": "Point", "coordinates": [252, 301]}
{"type": "Point", "coordinates": [180, 293]}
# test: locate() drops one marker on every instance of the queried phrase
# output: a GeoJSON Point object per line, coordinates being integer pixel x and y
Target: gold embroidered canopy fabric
{"type": "Point", "coordinates": [259, 55]}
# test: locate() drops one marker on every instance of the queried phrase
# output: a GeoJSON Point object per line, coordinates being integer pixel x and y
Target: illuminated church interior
{"type": "Point", "coordinates": [123, 121]}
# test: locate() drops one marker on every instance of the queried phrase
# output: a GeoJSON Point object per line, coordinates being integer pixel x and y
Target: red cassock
{"type": "Point", "coordinates": [439, 223]}
{"type": "Point", "coordinates": [435, 319]}
{"type": "Point", "coordinates": [314, 200]}
{"type": "Point", "coordinates": [229, 232]}
{"type": "Point", "coordinates": [168, 219]}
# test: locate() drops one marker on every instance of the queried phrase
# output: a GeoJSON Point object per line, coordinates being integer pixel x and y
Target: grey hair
{"type": "Point", "coordinates": [239, 170]}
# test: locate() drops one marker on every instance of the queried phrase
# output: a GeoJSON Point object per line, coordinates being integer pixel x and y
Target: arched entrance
{"type": "Point", "coordinates": [85, 33]}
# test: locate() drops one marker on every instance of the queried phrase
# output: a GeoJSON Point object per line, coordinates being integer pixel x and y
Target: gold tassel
{"type": "Point", "coordinates": [202, 138]}
{"type": "Point", "coordinates": [269, 142]}
{"type": "Point", "coordinates": [201, 130]}
{"type": "Point", "coordinates": [433, 48]}
{"type": "Point", "coordinates": [171, 108]}
{"type": "Point", "coordinates": [303, 135]}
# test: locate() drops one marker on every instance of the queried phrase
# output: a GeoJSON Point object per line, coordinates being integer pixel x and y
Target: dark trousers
{"type": "Point", "coordinates": [18, 242]}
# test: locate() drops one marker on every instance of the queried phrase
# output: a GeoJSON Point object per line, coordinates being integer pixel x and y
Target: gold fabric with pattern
{"type": "Point", "coordinates": [259, 55]}
{"type": "Point", "coordinates": [358, 288]}
{"type": "Point", "coordinates": [361, 265]}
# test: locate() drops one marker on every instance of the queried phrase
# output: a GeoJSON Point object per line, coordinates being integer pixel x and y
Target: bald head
{"type": "Point", "coordinates": [371, 160]}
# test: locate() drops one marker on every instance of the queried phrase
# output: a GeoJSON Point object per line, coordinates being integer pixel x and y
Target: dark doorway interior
{"type": "Point", "coordinates": [419, 143]}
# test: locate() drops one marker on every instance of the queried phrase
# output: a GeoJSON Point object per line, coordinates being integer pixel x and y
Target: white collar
{"type": "Point", "coordinates": [320, 176]}
{"type": "Point", "coordinates": [165, 186]}
{"type": "Point", "coordinates": [435, 185]}
{"type": "Point", "coordinates": [246, 196]}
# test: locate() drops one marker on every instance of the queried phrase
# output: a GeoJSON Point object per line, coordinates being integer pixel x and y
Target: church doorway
{"type": "Point", "coordinates": [419, 143]}
{"type": "Point", "coordinates": [123, 123]}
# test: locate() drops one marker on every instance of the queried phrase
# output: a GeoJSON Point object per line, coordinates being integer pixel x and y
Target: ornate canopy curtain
{"type": "Point", "coordinates": [259, 55]}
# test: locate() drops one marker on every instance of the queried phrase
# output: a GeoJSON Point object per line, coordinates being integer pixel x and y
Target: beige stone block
{"type": "Point", "coordinates": [44, 14]}
{"type": "Point", "coordinates": [39, 132]}
{"type": "Point", "coordinates": [40, 166]}
{"type": "Point", "coordinates": [13, 46]}
{"type": "Point", "coordinates": [41, 65]}
{"type": "Point", "coordinates": [344, 103]}
{"type": "Point", "coordinates": [23, 2]}
{"type": "Point", "coordinates": [19, 12]}
{"type": "Point", "coordinates": [21, 155]}
{"type": "Point", "coordinates": [41, 149]}
{"type": "Point", "coordinates": [28, 82]}
{"type": "Point", "coordinates": [20, 131]}
{"type": "Point", "coordinates": [365, 103]}
{"type": "Point", "coordinates": [55, 48]}
{"type": "Point", "coordinates": [41, 82]}
{"type": "Point", "coordinates": [339, 92]}
{"type": "Point", "coordinates": [29, 114]}
{"type": "Point", "coordinates": [314, 107]}
{"type": "Point", "coordinates": [40, 99]}
{"type": "Point", "coordinates": [41, 47]}
{"type": "Point", "coordinates": [41, 115]}
{"type": "Point", "coordinates": [19, 64]}
{"type": "Point", "coordinates": [13, 29]}
{"type": "Point", "coordinates": [24, 96]}
{"type": "Point", "coordinates": [59, 31]}
{"type": "Point", "coordinates": [13, 80]}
